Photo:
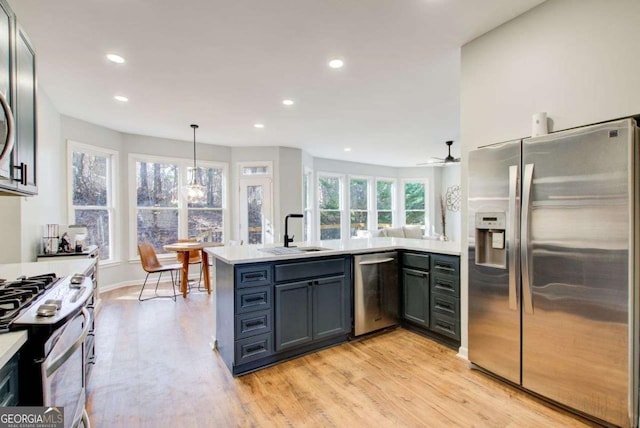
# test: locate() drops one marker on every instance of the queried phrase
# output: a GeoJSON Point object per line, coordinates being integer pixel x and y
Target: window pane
{"type": "Point", "coordinates": [157, 184]}
{"type": "Point", "coordinates": [255, 170]}
{"type": "Point", "coordinates": [254, 214]}
{"type": "Point", "coordinates": [159, 227]}
{"type": "Point", "coordinates": [89, 179]}
{"type": "Point", "coordinates": [97, 222]}
{"type": "Point", "coordinates": [206, 225]}
{"type": "Point", "coordinates": [329, 190]}
{"type": "Point", "coordinates": [330, 225]}
{"type": "Point", "coordinates": [358, 194]}
{"type": "Point", "coordinates": [306, 224]}
{"type": "Point", "coordinates": [384, 193]}
{"type": "Point", "coordinates": [384, 219]}
{"type": "Point", "coordinates": [415, 217]}
{"type": "Point", "coordinates": [414, 196]}
{"type": "Point", "coordinates": [358, 221]}
{"type": "Point", "coordinates": [211, 179]}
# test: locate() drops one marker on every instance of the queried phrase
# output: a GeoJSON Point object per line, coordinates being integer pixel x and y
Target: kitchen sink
{"type": "Point", "coordinates": [312, 249]}
{"type": "Point", "coordinates": [293, 250]}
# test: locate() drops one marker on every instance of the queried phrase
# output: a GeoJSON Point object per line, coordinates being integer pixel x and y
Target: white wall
{"type": "Point", "coordinates": [23, 217]}
{"type": "Point", "coordinates": [575, 59]}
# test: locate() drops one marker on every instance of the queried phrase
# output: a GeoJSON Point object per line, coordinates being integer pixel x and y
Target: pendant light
{"type": "Point", "coordinates": [194, 191]}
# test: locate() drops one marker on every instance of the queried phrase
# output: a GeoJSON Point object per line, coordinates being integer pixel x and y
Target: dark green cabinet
{"type": "Point", "coordinates": [431, 294]}
{"type": "Point", "coordinates": [272, 311]}
{"type": "Point", "coordinates": [415, 296]}
{"type": "Point", "coordinates": [331, 306]}
{"type": "Point", "coordinates": [315, 308]}
{"type": "Point", "coordinates": [18, 174]}
{"type": "Point", "coordinates": [293, 315]}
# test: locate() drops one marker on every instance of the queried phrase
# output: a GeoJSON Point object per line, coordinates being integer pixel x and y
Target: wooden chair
{"type": "Point", "coordinates": [195, 257]}
{"type": "Point", "coordinates": [150, 264]}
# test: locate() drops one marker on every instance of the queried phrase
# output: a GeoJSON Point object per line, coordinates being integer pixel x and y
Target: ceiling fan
{"type": "Point", "coordinates": [446, 161]}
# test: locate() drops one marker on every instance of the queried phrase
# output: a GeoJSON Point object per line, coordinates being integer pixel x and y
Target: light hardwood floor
{"type": "Point", "coordinates": [155, 369]}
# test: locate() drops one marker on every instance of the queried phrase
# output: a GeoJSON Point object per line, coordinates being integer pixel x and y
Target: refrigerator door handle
{"type": "Point", "coordinates": [512, 236]}
{"type": "Point", "coordinates": [524, 239]}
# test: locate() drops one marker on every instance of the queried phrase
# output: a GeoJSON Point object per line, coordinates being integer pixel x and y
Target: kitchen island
{"type": "Point", "coordinates": [275, 303]}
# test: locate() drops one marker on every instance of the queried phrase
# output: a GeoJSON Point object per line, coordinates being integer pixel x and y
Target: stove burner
{"type": "Point", "coordinates": [17, 295]}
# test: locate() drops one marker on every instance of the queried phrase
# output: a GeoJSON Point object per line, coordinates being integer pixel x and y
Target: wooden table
{"type": "Point", "coordinates": [185, 247]}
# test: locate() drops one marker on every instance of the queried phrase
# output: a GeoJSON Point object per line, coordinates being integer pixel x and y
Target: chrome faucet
{"type": "Point", "coordinates": [287, 240]}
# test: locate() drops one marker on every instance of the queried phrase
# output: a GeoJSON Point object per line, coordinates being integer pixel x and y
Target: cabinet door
{"type": "Point", "coordinates": [6, 85]}
{"type": "Point", "coordinates": [24, 170]}
{"type": "Point", "coordinates": [331, 303]}
{"type": "Point", "coordinates": [416, 296]}
{"type": "Point", "coordinates": [293, 314]}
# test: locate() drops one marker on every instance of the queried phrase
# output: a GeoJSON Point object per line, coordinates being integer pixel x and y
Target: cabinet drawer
{"type": "Point", "coordinates": [253, 348]}
{"type": "Point", "coordinates": [445, 325]}
{"type": "Point", "coordinates": [445, 284]}
{"type": "Point", "coordinates": [253, 323]}
{"type": "Point", "coordinates": [310, 269]}
{"type": "Point", "coordinates": [445, 265]}
{"type": "Point", "coordinates": [416, 261]}
{"type": "Point", "coordinates": [253, 275]}
{"type": "Point", "coordinates": [253, 299]}
{"type": "Point", "coordinates": [446, 305]}
{"type": "Point", "coordinates": [9, 383]}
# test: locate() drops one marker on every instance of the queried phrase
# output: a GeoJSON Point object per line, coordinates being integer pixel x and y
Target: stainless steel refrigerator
{"type": "Point", "coordinates": [553, 280]}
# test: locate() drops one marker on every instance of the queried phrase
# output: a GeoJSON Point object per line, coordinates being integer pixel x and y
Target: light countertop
{"type": "Point", "coordinates": [254, 253]}
{"type": "Point", "coordinates": [60, 267]}
{"type": "Point", "coordinates": [10, 343]}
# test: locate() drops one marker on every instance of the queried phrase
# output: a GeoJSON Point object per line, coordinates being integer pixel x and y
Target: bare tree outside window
{"type": "Point", "coordinates": [91, 200]}
{"type": "Point", "coordinates": [329, 207]}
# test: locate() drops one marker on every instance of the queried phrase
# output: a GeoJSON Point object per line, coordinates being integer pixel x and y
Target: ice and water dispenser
{"type": "Point", "coordinates": [491, 249]}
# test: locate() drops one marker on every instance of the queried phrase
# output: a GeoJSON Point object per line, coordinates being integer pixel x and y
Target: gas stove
{"type": "Point", "coordinates": [16, 296]}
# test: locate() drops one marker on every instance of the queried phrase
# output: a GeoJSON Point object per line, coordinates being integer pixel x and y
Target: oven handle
{"type": "Point", "coordinates": [51, 367]}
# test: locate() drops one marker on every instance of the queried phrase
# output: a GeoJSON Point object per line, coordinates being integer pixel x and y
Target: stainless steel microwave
{"type": "Point", "coordinates": [6, 137]}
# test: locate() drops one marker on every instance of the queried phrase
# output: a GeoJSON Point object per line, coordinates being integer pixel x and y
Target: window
{"type": "Point", "coordinates": [359, 206]}
{"type": "Point", "coordinates": [385, 190]}
{"type": "Point", "coordinates": [92, 194]}
{"type": "Point", "coordinates": [415, 203]}
{"type": "Point", "coordinates": [162, 215]}
{"type": "Point", "coordinates": [307, 203]}
{"type": "Point", "coordinates": [330, 206]}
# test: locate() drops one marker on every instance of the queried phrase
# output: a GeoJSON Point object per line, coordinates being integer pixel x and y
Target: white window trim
{"type": "Point", "coordinates": [308, 207]}
{"type": "Point", "coordinates": [394, 200]}
{"type": "Point", "coordinates": [183, 164]}
{"type": "Point", "coordinates": [402, 221]}
{"type": "Point", "coordinates": [112, 191]}
{"type": "Point", "coordinates": [269, 175]}
{"type": "Point", "coordinates": [344, 218]}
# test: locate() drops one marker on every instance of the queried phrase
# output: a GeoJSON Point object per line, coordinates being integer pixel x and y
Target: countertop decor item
{"type": "Point", "coordinates": [453, 198]}
{"type": "Point", "coordinates": [194, 191]}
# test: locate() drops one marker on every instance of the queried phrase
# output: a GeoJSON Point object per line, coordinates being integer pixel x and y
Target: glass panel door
{"type": "Point", "coordinates": [256, 215]}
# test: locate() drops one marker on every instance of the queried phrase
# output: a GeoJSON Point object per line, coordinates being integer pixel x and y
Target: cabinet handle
{"type": "Point", "coordinates": [254, 276]}
{"type": "Point", "coordinates": [444, 306]}
{"type": "Point", "coordinates": [254, 299]}
{"type": "Point", "coordinates": [23, 173]}
{"type": "Point", "coordinates": [444, 268]}
{"type": "Point", "coordinates": [444, 326]}
{"type": "Point", "coordinates": [254, 348]}
{"type": "Point", "coordinates": [254, 323]}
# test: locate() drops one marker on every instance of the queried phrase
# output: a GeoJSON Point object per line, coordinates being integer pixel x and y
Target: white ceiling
{"type": "Point", "coordinates": [229, 64]}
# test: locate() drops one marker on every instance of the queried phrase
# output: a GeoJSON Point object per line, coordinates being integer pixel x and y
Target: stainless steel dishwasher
{"type": "Point", "coordinates": [376, 291]}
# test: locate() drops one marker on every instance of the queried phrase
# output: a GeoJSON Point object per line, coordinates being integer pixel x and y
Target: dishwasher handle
{"type": "Point", "coordinates": [376, 262]}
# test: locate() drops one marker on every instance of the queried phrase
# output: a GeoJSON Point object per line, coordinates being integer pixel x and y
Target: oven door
{"type": "Point", "coordinates": [6, 137]}
{"type": "Point", "coordinates": [63, 369]}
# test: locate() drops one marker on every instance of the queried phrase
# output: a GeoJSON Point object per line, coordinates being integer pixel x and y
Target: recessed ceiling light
{"type": "Point", "coordinates": [121, 98]}
{"type": "Point", "coordinates": [115, 58]}
{"type": "Point", "coordinates": [287, 102]}
{"type": "Point", "coordinates": [336, 63]}
{"type": "Point", "coordinates": [347, 149]}
{"type": "Point", "coordinates": [258, 125]}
